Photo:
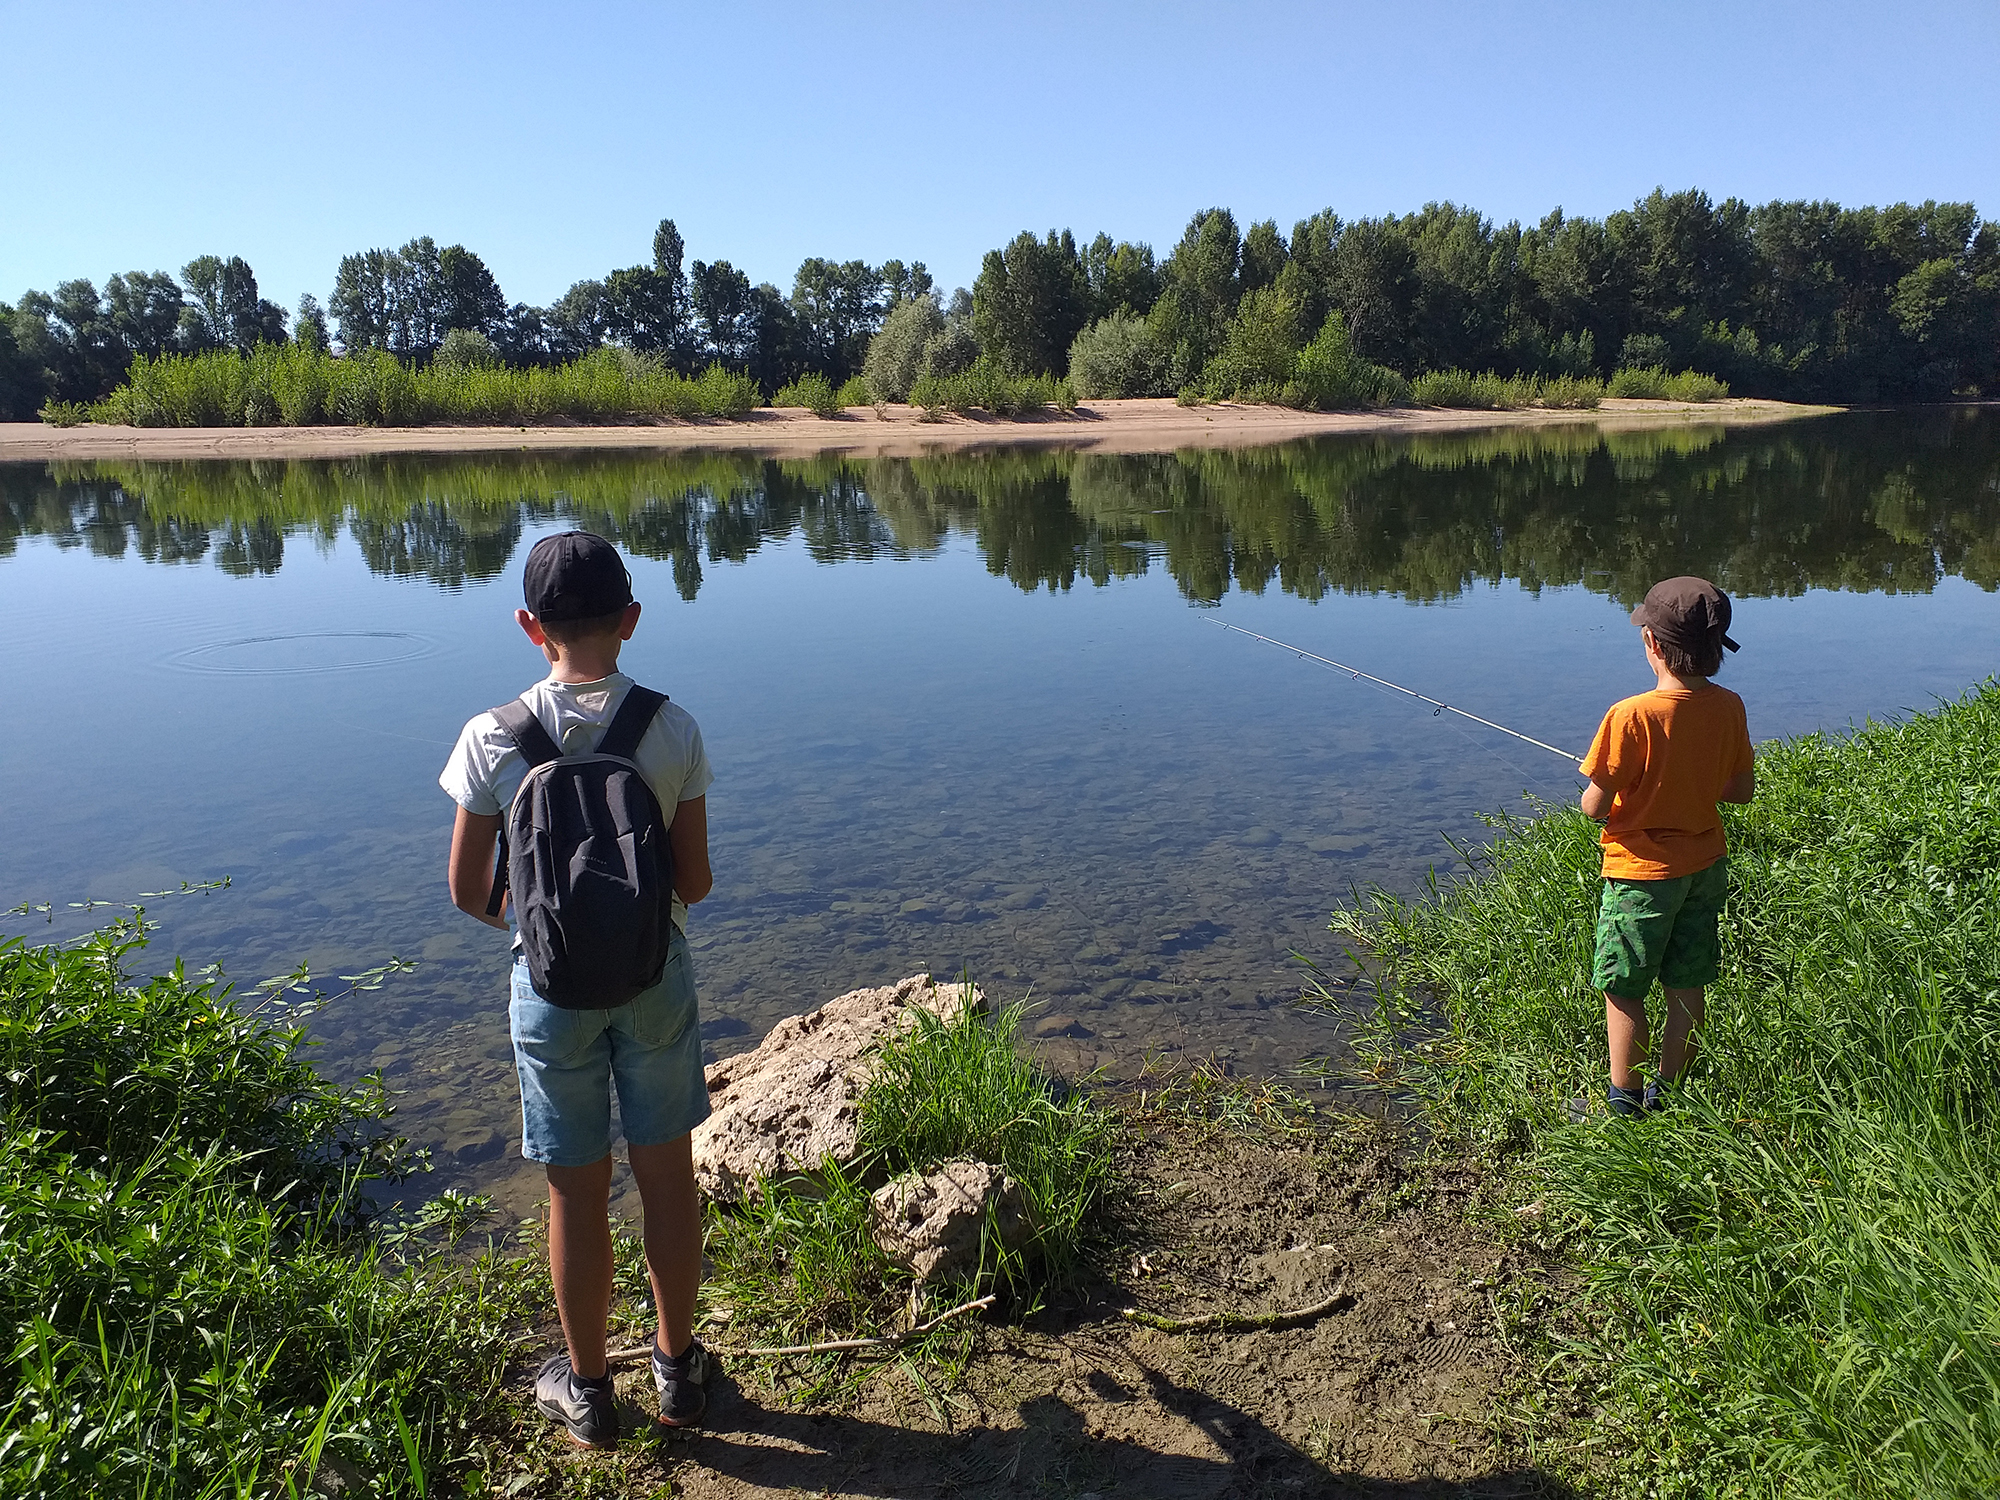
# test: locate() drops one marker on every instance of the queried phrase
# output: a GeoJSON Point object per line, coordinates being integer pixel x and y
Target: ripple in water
{"type": "Point", "coordinates": [317, 651]}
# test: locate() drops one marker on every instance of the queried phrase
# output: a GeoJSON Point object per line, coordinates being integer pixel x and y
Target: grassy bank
{"type": "Point", "coordinates": [1491, 392]}
{"type": "Point", "coordinates": [1793, 1273]}
{"type": "Point", "coordinates": [290, 385]}
{"type": "Point", "coordinates": [193, 1298]}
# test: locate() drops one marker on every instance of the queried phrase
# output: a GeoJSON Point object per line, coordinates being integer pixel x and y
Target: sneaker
{"type": "Point", "coordinates": [586, 1408]}
{"type": "Point", "coordinates": [1652, 1101]}
{"type": "Point", "coordinates": [1625, 1103]}
{"type": "Point", "coordinates": [682, 1384]}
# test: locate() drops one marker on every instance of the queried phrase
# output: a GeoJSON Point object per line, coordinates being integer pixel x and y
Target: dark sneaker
{"type": "Point", "coordinates": [682, 1384]}
{"type": "Point", "coordinates": [1627, 1104]}
{"type": "Point", "coordinates": [586, 1408]}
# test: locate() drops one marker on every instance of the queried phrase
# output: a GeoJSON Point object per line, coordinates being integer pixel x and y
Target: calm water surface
{"type": "Point", "coordinates": [965, 713]}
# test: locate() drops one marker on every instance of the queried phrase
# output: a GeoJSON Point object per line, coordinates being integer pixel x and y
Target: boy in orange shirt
{"type": "Point", "coordinates": [1658, 767]}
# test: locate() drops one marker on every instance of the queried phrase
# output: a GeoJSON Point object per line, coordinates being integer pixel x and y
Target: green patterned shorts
{"type": "Point", "coordinates": [1660, 929]}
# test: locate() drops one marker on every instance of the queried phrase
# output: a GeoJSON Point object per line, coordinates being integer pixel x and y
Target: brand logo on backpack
{"type": "Point", "coordinates": [584, 850]}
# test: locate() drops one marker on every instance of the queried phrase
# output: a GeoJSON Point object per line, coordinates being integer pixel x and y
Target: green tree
{"type": "Point", "coordinates": [896, 353]}
{"type": "Point", "coordinates": [722, 309]}
{"type": "Point", "coordinates": [310, 325]}
{"type": "Point", "coordinates": [145, 309]}
{"type": "Point", "coordinates": [838, 306]}
{"type": "Point", "coordinates": [1118, 356]}
{"type": "Point", "coordinates": [1030, 301]}
{"type": "Point", "coordinates": [225, 311]}
{"type": "Point", "coordinates": [901, 283]}
{"type": "Point", "coordinates": [1264, 256]}
{"type": "Point", "coordinates": [1198, 292]}
{"type": "Point", "coordinates": [20, 380]}
{"type": "Point", "coordinates": [471, 296]}
{"type": "Point", "coordinates": [1120, 275]}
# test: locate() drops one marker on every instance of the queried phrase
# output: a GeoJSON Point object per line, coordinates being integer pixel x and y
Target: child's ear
{"type": "Point", "coordinates": [530, 627]}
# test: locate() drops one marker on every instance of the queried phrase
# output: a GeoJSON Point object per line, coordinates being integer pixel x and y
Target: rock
{"type": "Point", "coordinates": [796, 1099]}
{"type": "Point", "coordinates": [932, 1225]}
{"type": "Point", "coordinates": [1059, 1025]}
{"type": "Point", "coordinates": [474, 1143]}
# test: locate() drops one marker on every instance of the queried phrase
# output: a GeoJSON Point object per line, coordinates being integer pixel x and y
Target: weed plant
{"type": "Point", "coordinates": [1653, 383]}
{"type": "Point", "coordinates": [1797, 1264]}
{"type": "Point", "coordinates": [797, 1264]}
{"type": "Point", "coordinates": [192, 1297]}
{"type": "Point", "coordinates": [297, 386]}
{"type": "Point", "coordinates": [1492, 392]}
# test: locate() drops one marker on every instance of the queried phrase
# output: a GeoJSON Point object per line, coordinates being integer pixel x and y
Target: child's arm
{"type": "Point", "coordinates": [687, 840]}
{"type": "Point", "coordinates": [1741, 787]}
{"type": "Point", "coordinates": [473, 837]}
{"type": "Point", "coordinates": [1596, 802]}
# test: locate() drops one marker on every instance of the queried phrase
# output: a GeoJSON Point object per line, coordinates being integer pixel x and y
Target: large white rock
{"type": "Point", "coordinates": [796, 1099]}
{"type": "Point", "coordinates": [933, 1224]}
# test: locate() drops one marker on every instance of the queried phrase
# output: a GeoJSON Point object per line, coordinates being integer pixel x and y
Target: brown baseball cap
{"type": "Point", "coordinates": [575, 575]}
{"type": "Point", "coordinates": [1686, 612]}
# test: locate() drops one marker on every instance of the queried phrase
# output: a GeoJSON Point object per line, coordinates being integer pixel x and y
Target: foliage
{"type": "Point", "coordinates": [1650, 382]}
{"type": "Point", "coordinates": [1029, 303]}
{"type": "Point", "coordinates": [854, 391]}
{"type": "Point", "coordinates": [1491, 392]}
{"type": "Point", "coordinates": [64, 413]}
{"type": "Point", "coordinates": [297, 387]}
{"type": "Point", "coordinates": [1117, 356]}
{"type": "Point", "coordinates": [1259, 350]}
{"type": "Point", "coordinates": [1329, 376]}
{"type": "Point", "coordinates": [812, 391]}
{"type": "Point", "coordinates": [896, 353]}
{"type": "Point", "coordinates": [190, 1295]}
{"type": "Point", "coordinates": [986, 386]}
{"type": "Point", "coordinates": [465, 349]}
{"type": "Point", "coordinates": [1792, 1266]}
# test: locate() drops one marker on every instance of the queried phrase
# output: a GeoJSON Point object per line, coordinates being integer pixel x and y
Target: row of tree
{"type": "Point", "coordinates": [1794, 299]}
{"type": "Point", "coordinates": [1798, 299]}
{"type": "Point", "coordinates": [77, 343]}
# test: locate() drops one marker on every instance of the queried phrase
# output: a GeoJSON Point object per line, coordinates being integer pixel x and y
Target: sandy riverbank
{"type": "Point", "coordinates": [1102, 426]}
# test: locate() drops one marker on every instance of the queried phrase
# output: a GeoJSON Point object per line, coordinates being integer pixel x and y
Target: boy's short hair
{"type": "Point", "coordinates": [569, 632]}
{"type": "Point", "coordinates": [1689, 618]}
{"type": "Point", "coordinates": [1682, 662]}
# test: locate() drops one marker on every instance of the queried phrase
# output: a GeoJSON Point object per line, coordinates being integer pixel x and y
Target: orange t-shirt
{"type": "Point", "coordinates": [1667, 755]}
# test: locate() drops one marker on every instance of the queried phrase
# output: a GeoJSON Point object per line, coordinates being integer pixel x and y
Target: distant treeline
{"type": "Point", "coordinates": [1798, 300]}
{"type": "Point", "coordinates": [1875, 504]}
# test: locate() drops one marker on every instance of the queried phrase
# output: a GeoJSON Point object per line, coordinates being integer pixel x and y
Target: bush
{"type": "Point", "coordinates": [854, 391]}
{"type": "Point", "coordinates": [193, 1294]}
{"type": "Point", "coordinates": [985, 386]}
{"type": "Point", "coordinates": [64, 413]}
{"type": "Point", "coordinates": [466, 349]}
{"type": "Point", "coordinates": [1329, 376]}
{"type": "Point", "coordinates": [1493, 392]}
{"type": "Point", "coordinates": [950, 351]}
{"type": "Point", "coordinates": [811, 390]}
{"type": "Point", "coordinates": [1117, 357]}
{"type": "Point", "coordinates": [1261, 351]}
{"type": "Point", "coordinates": [1653, 383]}
{"type": "Point", "coordinates": [896, 353]}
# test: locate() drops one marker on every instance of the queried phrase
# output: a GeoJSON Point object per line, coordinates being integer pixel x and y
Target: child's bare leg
{"type": "Point", "coordinates": [1686, 1010]}
{"type": "Point", "coordinates": [1625, 1030]}
{"type": "Point", "coordinates": [580, 1260]}
{"type": "Point", "coordinates": [665, 1175]}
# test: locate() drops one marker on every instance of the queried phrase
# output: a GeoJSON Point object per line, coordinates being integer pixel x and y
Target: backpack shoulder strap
{"type": "Point", "coordinates": [629, 725]}
{"type": "Point", "coordinates": [526, 730]}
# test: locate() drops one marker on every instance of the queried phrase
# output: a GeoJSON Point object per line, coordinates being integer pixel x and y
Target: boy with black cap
{"type": "Point", "coordinates": [580, 612]}
{"type": "Point", "coordinates": [1658, 767]}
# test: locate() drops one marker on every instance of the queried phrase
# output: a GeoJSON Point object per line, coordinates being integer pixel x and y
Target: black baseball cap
{"type": "Point", "coordinates": [575, 575]}
{"type": "Point", "coordinates": [1690, 613]}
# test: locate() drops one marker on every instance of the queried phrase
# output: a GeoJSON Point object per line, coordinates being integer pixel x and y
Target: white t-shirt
{"type": "Point", "coordinates": [486, 767]}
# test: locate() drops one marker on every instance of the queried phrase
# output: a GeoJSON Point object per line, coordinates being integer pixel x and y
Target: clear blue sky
{"type": "Point", "coordinates": [551, 138]}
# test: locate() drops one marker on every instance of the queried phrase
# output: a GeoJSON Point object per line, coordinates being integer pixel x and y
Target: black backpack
{"type": "Point", "coordinates": [584, 849]}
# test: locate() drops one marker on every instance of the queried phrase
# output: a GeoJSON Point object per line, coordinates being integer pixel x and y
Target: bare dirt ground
{"type": "Point", "coordinates": [1391, 1393]}
{"type": "Point", "coordinates": [895, 431]}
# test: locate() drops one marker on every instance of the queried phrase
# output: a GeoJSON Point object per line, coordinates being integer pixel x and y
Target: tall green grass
{"type": "Point", "coordinates": [1653, 383]}
{"type": "Point", "coordinates": [1491, 392]}
{"type": "Point", "coordinates": [798, 1264]}
{"type": "Point", "coordinates": [1795, 1269]}
{"type": "Point", "coordinates": [192, 1298]}
{"type": "Point", "coordinates": [294, 386]}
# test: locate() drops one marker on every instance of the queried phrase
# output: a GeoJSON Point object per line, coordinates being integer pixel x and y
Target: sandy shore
{"type": "Point", "coordinates": [898, 431]}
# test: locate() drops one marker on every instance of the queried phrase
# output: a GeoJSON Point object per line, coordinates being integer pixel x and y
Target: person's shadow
{"type": "Point", "coordinates": [1177, 1444]}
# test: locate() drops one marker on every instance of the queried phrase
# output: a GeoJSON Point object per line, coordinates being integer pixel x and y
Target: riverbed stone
{"type": "Point", "coordinates": [932, 1223]}
{"type": "Point", "coordinates": [795, 1100]}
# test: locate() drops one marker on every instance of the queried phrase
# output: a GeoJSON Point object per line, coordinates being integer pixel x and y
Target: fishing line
{"type": "Point", "coordinates": [1438, 705]}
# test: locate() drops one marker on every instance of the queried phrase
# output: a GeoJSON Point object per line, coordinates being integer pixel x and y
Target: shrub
{"type": "Point", "coordinates": [896, 353]}
{"type": "Point", "coordinates": [1329, 376]}
{"type": "Point", "coordinates": [1116, 357]}
{"type": "Point", "coordinates": [1643, 349]}
{"type": "Point", "coordinates": [985, 386]}
{"type": "Point", "coordinates": [64, 413]}
{"type": "Point", "coordinates": [951, 350]}
{"type": "Point", "coordinates": [1494, 392]}
{"type": "Point", "coordinates": [1261, 351]}
{"type": "Point", "coordinates": [1653, 383]}
{"type": "Point", "coordinates": [465, 349]}
{"type": "Point", "coordinates": [811, 390]}
{"type": "Point", "coordinates": [854, 391]}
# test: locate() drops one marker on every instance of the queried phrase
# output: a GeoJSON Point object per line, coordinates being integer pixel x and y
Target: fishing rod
{"type": "Point", "coordinates": [1441, 707]}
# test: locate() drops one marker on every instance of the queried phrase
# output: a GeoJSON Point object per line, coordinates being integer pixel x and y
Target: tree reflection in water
{"type": "Point", "coordinates": [1866, 502]}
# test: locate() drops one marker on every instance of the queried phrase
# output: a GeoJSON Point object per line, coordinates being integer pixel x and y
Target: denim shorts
{"type": "Point", "coordinates": [568, 1060]}
{"type": "Point", "coordinates": [1660, 929]}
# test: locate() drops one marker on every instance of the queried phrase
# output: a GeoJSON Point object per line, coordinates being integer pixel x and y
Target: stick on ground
{"type": "Point", "coordinates": [1241, 1322]}
{"type": "Point", "coordinates": [830, 1346]}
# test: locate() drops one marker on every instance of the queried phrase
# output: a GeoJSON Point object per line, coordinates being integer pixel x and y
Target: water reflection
{"type": "Point", "coordinates": [1888, 502]}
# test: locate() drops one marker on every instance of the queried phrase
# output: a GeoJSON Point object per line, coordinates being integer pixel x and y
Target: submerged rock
{"type": "Point", "coordinates": [796, 1099]}
{"type": "Point", "coordinates": [933, 1224]}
